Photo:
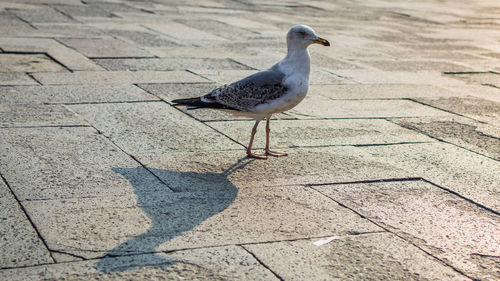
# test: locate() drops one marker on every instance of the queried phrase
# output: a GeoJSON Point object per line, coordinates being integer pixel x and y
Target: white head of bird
{"type": "Point", "coordinates": [301, 36]}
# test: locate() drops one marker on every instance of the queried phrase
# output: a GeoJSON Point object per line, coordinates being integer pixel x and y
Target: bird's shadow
{"type": "Point", "coordinates": [171, 213]}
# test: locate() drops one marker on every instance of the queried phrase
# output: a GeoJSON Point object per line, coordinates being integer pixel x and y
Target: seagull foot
{"type": "Point", "coordinates": [256, 156]}
{"type": "Point", "coordinates": [275, 153]}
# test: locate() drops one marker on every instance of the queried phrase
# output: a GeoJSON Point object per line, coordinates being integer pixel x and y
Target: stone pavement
{"type": "Point", "coordinates": [393, 163]}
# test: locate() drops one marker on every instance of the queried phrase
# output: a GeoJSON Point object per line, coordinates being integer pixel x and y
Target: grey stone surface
{"type": "Point", "coordinates": [464, 172]}
{"type": "Point", "coordinates": [204, 51]}
{"type": "Point", "coordinates": [379, 91]}
{"type": "Point", "coordinates": [76, 11]}
{"type": "Point", "coordinates": [221, 263]}
{"type": "Point", "coordinates": [168, 64]}
{"type": "Point", "coordinates": [379, 256]}
{"type": "Point", "coordinates": [303, 133]}
{"type": "Point", "coordinates": [171, 91]}
{"type": "Point", "coordinates": [406, 208]}
{"type": "Point", "coordinates": [142, 38]}
{"type": "Point", "coordinates": [118, 77]}
{"type": "Point", "coordinates": [64, 30]}
{"type": "Point", "coordinates": [16, 78]}
{"type": "Point", "coordinates": [104, 47]}
{"type": "Point", "coordinates": [20, 244]}
{"type": "Point", "coordinates": [472, 135]}
{"type": "Point", "coordinates": [301, 166]}
{"type": "Point", "coordinates": [415, 65]}
{"type": "Point", "coordinates": [315, 106]}
{"type": "Point", "coordinates": [395, 77]}
{"type": "Point", "coordinates": [11, 25]}
{"type": "Point", "coordinates": [477, 108]}
{"type": "Point", "coordinates": [81, 166]}
{"type": "Point", "coordinates": [394, 150]}
{"type": "Point", "coordinates": [230, 214]}
{"type": "Point", "coordinates": [183, 32]}
{"type": "Point", "coordinates": [28, 63]}
{"type": "Point", "coordinates": [64, 55]}
{"type": "Point", "coordinates": [222, 76]}
{"type": "Point", "coordinates": [41, 14]}
{"type": "Point", "coordinates": [135, 128]}
{"type": "Point", "coordinates": [72, 94]}
{"type": "Point", "coordinates": [19, 115]}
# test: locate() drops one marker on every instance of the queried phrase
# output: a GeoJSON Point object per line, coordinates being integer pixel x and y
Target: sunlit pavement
{"type": "Point", "coordinates": [392, 170]}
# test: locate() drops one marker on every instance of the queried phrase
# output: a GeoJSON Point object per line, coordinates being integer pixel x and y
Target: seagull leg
{"type": "Point", "coordinates": [249, 148]}
{"type": "Point", "coordinates": [269, 151]}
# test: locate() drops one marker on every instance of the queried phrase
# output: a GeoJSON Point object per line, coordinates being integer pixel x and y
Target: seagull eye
{"type": "Point", "coordinates": [302, 33]}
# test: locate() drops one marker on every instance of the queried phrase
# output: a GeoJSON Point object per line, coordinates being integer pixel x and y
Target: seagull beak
{"type": "Point", "coordinates": [321, 41]}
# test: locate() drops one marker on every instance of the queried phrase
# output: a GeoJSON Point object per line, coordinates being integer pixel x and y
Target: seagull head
{"type": "Point", "coordinates": [302, 36]}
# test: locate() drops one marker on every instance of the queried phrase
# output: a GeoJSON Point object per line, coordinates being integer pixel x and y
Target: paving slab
{"type": "Point", "coordinates": [479, 91]}
{"type": "Point", "coordinates": [224, 214]}
{"type": "Point", "coordinates": [222, 76]}
{"type": "Point", "coordinates": [22, 115]}
{"type": "Point", "coordinates": [16, 78]}
{"type": "Point", "coordinates": [301, 166]}
{"type": "Point", "coordinates": [134, 127]}
{"type": "Point", "coordinates": [380, 91]}
{"type": "Point", "coordinates": [171, 91]}
{"type": "Point", "coordinates": [221, 263]}
{"type": "Point", "coordinates": [11, 25]}
{"type": "Point", "coordinates": [475, 136]}
{"type": "Point", "coordinates": [64, 55]}
{"type": "Point", "coordinates": [321, 60]}
{"type": "Point", "coordinates": [205, 51]}
{"type": "Point", "coordinates": [81, 166]}
{"type": "Point", "coordinates": [315, 106]}
{"type": "Point", "coordinates": [477, 108]}
{"type": "Point", "coordinates": [421, 212]}
{"type": "Point", "coordinates": [123, 185]}
{"type": "Point", "coordinates": [415, 66]}
{"type": "Point", "coordinates": [28, 63]}
{"type": "Point", "coordinates": [118, 77]}
{"type": "Point", "coordinates": [396, 77]}
{"type": "Point", "coordinates": [219, 28]}
{"type": "Point", "coordinates": [184, 33]}
{"type": "Point", "coordinates": [467, 173]}
{"type": "Point", "coordinates": [20, 244]}
{"type": "Point", "coordinates": [143, 38]}
{"type": "Point", "coordinates": [72, 94]}
{"type": "Point", "coordinates": [41, 14]}
{"type": "Point", "coordinates": [169, 64]}
{"type": "Point", "coordinates": [489, 78]}
{"type": "Point", "coordinates": [380, 256]}
{"type": "Point", "coordinates": [63, 30]}
{"type": "Point", "coordinates": [304, 133]}
{"type": "Point", "coordinates": [76, 11]}
{"type": "Point", "coordinates": [104, 47]}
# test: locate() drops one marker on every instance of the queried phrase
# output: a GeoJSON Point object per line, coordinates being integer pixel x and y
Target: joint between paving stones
{"type": "Point", "coordinates": [46, 126]}
{"type": "Point", "coordinates": [394, 233]}
{"type": "Point", "coordinates": [33, 77]}
{"type": "Point", "coordinates": [442, 109]}
{"type": "Point", "coordinates": [491, 85]}
{"type": "Point", "coordinates": [69, 254]}
{"type": "Point", "coordinates": [262, 263]}
{"type": "Point", "coordinates": [120, 148]}
{"type": "Point", "coordinates": [38, 53]}
{"type": "Point", "coordinates": [28, 217]}
{"type": "Point", "coordinates": [406, 126]}
{"type": "Point", "coordinates": [463, 197]}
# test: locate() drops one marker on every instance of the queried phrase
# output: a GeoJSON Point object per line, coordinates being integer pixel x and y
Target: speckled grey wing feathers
{"type": "Point", "coordinates": [249, 92]}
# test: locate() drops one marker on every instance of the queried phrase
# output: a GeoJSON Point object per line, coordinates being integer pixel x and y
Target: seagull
{"type": "Point", "coordinates": [267, 92]}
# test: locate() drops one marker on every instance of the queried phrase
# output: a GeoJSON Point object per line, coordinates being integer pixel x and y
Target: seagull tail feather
{"type": "Point", "coordinates": [194, 103]}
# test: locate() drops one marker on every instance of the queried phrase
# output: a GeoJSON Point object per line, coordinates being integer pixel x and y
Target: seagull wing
{"type": "Point", "coordinates": [249, 92]}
